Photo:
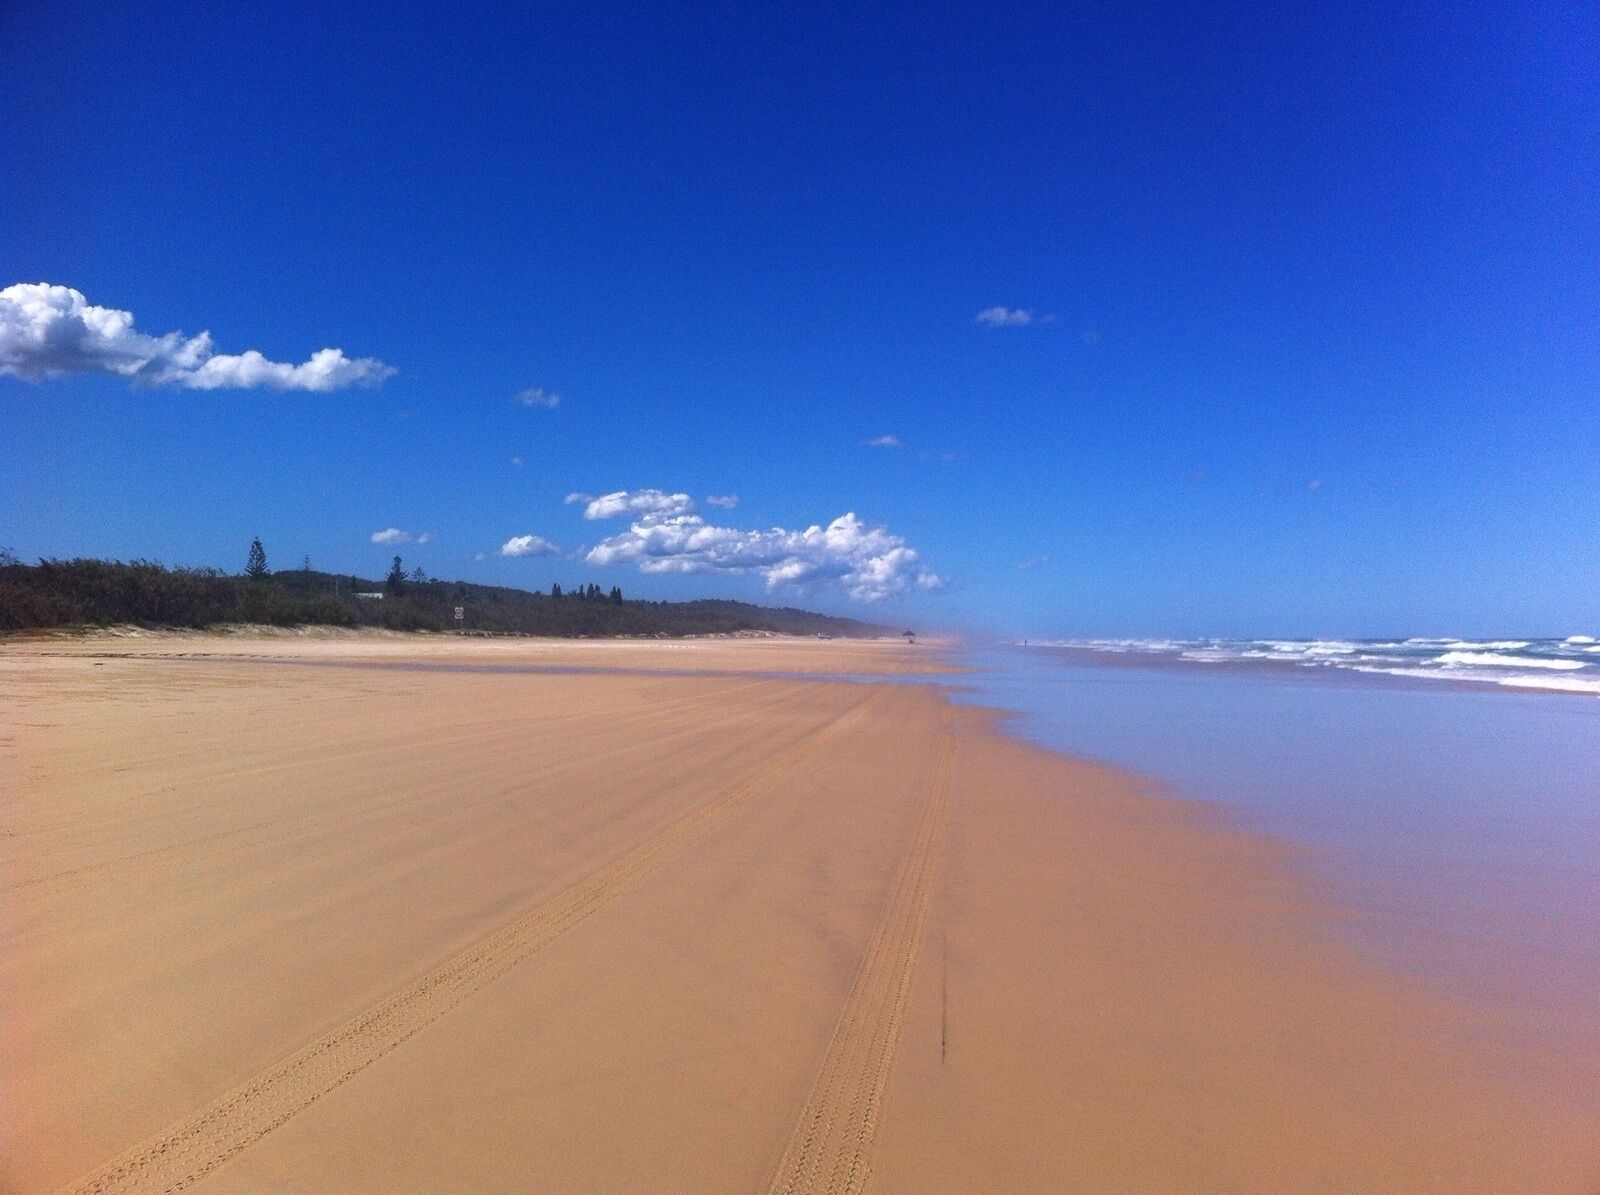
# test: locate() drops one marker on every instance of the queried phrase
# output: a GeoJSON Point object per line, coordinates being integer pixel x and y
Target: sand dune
{"type": "Point", "coordinates": [270, 926]}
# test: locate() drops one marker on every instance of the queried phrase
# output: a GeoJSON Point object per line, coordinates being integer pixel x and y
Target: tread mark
{"type": "Point", "coordinates": [829, 1149]}
{"type": "Point", "coordinates": [192, 1148]}
{"type": "Point", "coordinates": [139, 863]}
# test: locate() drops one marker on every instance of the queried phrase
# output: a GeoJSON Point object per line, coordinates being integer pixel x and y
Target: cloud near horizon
{"type": "Point", "coordinates": [882, 442]}
{"type": "Point", "coordinates": [47, 330]}
{"type": "Point", "coordinates": [1005, 317]}
{"type": "Point", "coordinates": [868, 563]}
{"type": "Point", "coordinates": [528, 545]}
{"type": "Point", "coordinates": [648, 504]}
{"type": "Point", "coordinates": [393, 535]}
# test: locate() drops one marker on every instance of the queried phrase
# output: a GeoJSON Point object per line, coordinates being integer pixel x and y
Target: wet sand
{"type": "Point", "coordinates": [270, 927]}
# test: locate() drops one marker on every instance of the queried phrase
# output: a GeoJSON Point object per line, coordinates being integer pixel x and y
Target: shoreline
{"type": "Point", "coordinates": [1370, 678]}
{"type": "Point", "coordinates": [1078, 983]}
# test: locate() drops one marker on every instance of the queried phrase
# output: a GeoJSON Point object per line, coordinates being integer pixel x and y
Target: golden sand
{"type": "Point", "coordinates": [271, 926]}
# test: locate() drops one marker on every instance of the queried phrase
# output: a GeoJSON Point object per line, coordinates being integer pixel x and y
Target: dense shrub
{"type": "Point", "coordinates": [56, 593]}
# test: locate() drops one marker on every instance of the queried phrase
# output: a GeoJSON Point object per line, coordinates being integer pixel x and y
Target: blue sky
{"type": "Point", "coordinates": [1313, 345]}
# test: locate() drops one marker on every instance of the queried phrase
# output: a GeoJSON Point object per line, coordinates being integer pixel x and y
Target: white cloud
{"type": "Point", "coordinates": [516, 460]}
{"type": "Point", "coordinates": [392, 535]}
{"type": "Point", "coordinates": [1315, 484]}
{"type": "Point", "coordinates": [47, 330]}
{"type": "Point", "coordinates": [528, 545]}
{"type": "Point", "coordinates": [882, 442]}
{"type": "Point", "coordinates": [646, 505]}
{"type": "Point", "coordinates": [427, 537]}
{"type": "Point", "coordinates": [1005, 317]}
{"type": "Point", "coordinates": [538, 396]}
{"type": "Point", "coordinates": [328, 369]}
{"type": "Point", "coordinates": [868, 563]}
{"type": "Point", "coordinates": [1033, 562]}
{"type": "Point", "coordinates": [725, 501]}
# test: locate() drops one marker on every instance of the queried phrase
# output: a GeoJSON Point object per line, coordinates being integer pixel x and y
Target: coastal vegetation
{"type": "Point", "coordinates": [67, 593]}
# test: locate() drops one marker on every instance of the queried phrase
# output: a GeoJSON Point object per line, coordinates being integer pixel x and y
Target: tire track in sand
{"type": "Point", "coordinates": [142, 865]}
{"type": "Point", "coordinates": [189, 1150]}
{"type": "Point", "coordinates": [829, 1149]}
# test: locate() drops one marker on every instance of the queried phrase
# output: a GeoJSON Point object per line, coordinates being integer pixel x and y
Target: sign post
{"type": "Point", "coordinates": [461, 613]}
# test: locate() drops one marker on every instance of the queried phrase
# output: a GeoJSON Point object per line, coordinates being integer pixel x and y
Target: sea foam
{"type": "Point", "coordinates": [1483, 659]}
{"type": "Point", "coordinates": [1507, 663]}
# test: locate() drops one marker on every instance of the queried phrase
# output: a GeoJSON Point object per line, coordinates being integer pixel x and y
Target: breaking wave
{"type": "Point", "coordinates": [1569, 665]}
{"type": "Point", "coordinates": [1491, 660]}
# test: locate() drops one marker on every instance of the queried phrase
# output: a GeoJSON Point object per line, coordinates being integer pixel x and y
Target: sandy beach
{"type": "Point", "coordinates": [337, 913]}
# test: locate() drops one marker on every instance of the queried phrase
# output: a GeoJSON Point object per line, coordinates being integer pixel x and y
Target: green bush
{"type": "Point", "coordinates": [56, 593]}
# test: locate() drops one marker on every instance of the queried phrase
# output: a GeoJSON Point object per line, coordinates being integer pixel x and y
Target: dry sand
{"type": "Point", "coordinates": [278, 927]}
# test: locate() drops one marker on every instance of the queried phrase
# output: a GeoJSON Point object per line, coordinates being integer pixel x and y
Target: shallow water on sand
{"type": "Point", "coordinates": [1461, 828]}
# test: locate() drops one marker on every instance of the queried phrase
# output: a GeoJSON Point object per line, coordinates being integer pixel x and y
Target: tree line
{"type": "Point", "coordinates": [82, 592]}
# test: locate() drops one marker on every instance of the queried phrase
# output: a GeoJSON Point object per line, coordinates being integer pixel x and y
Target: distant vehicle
{"type": "Point", "coordinates": [910, 637]}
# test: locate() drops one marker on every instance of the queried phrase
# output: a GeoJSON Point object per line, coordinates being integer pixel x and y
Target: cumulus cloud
{"type": "Point", "coordinates": [725, 501]}
{"type": "Point", "coordinates": [538, 396]}
{"type": "Point", "coordinates": [868, 563]}
{"type": "Point", "coordinates": [882, 442]}
{"type": "Point", "coordinates": [48, 330]}
{"type": "Point", "coordinates": [645, 505]}
{"type": "Point", "coordinates": [1005, 317]}
{"type": "Point", "coordinates": [528, 545]}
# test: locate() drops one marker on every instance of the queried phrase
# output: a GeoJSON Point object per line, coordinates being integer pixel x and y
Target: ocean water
{"type": "Point", "coordinates": [1456, 825]}
{"type": "Point", "coordinates": [1570, 664]}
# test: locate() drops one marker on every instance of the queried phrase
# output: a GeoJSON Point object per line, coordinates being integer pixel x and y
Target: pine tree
{"type": "Point", "coordinates": [555, 590]}
{"type": "Point", "coordinates": [255, 565]}
{"type": "Point", "coordinates": [395, 583]}
{"type": "Point", "coordinates": [616, 595]}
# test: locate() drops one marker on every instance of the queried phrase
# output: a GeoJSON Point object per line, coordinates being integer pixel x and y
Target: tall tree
{"type": "Point", "coordinates": [616, 595]}
{"type": "Point", "coordinates": [255, 565]}
{"type": "Point", "coordinates": [395, 583]}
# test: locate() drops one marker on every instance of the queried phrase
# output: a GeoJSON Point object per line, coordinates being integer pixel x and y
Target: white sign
{"type": "Point", "coordinates": [461, 612]}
